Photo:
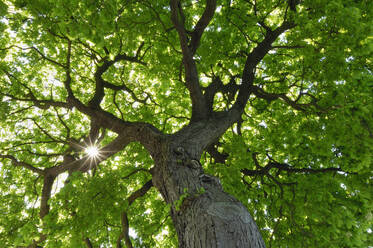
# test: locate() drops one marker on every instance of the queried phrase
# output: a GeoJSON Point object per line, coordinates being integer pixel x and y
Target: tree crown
{"type": "Point", "coordinates": [292, 80]}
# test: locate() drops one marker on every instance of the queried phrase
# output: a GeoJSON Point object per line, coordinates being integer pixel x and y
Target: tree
{"type": "Point", "coordinates": [163, 124]}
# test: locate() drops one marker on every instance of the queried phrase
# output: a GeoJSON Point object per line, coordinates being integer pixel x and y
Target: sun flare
{"type": "Point", "coordinates": [92, 151]}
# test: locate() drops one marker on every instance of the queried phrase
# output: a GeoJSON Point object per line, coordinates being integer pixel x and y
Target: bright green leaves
{"type": "Point", "coordinates": [19, 220]}
{"type": "Point", "coordinates": [300, 209]}
{"type": "Point", "coordinates": [330, 42]}
{"type": "Point", "coordinates": [91, 205]}
{"type": "Point", "coordinates": [90, 202]}
{"type": "Point", "coordinates": [325, 209]}
{"type": "Point", "coordinates": [323, 64]}
{"type": "Point", "coordinates": [4, 109]}
{"type": "Point", "coordinates": [3, 9]}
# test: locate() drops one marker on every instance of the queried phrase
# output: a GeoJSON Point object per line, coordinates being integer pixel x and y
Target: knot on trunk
{"type": "Point", "coordinates": [211, 180]}
{"type": "Point", "coordinates": [183, 158]}
{"type": "Point", "coordinates": [229, 211]}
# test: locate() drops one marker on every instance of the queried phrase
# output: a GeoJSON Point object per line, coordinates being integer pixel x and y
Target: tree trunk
{"type": "Point", "coordinates": [203, 214]}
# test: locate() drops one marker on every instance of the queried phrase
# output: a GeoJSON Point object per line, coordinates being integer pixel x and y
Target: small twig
{"type": "Point", "coordinates": [134, 172]}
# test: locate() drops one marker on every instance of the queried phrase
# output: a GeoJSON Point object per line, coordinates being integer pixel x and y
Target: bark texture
{"type": "Point", "coordinates": [204, 215]}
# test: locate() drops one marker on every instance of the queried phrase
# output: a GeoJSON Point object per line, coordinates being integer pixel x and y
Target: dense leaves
{"type": "Point", "coordinates": [300, 157]}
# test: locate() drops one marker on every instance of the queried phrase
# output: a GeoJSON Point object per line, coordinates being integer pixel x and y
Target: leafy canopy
{"type": "Point", "coordinates": [300, 159]}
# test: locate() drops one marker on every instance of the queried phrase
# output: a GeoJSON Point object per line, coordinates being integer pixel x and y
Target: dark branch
{"type": "Point", "coordinates": [125, 88]}
{"type": "Point", "coordinates": [140, 192]}
{"type": "Point", "coordinates": [202, 24]}
{"type": "Point", "coordinates": [253, 59]}
{"type": "Point", "coordinates": [45, 195]}
{"type": "Point", "coordinates": [136, 171]}
{"type": "Point", "coordinates": [46, 58]}
{"type": "Point", "coordinates": [15, 162]}
{"type": "Point", "coordinates": [259, 92]}
{"type": "Point", "coordinates": [42, 104]}
{"type": "Point", "coordinates": [125, 232]}
{"type": "Point", "coordinates": [88, 243]}
{"type": "Point", "coordinates": [124, 218]}
{"type": "Point", "coordinates": [288, 168]}
{"type": "Point", "coordinates": [216, 155]}
{"type": "Point", "coordinates": [71, 99]}
{"type": "Point", "coordinates": [44, 131]}
{"type": "Point", "coordinates": [287, 47]}
{"type": "Point", "coordinates": [199, 110]}
{"type": "Point", "coordinates": [86, 163]}
{"type": "Point", "coordinates": [216, 86]}
{"type": "Point", "coordinates": [99, 90]}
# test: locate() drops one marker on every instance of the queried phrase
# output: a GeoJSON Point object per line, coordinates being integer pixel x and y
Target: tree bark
{"type": "Point", "coordinates": [203, 214]}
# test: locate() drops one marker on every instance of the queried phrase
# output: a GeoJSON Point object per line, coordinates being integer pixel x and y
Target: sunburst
{"type": "Point", "coordinates": [92, 151]}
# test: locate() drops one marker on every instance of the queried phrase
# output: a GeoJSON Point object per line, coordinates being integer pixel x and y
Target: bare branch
{"type": "Point", "coordinates": [44, 131]}
{"type": "Point", "coordinates": [202, 24]}
{"type": "Point", "coordinates": [63, 123]}
{"type": "Point", "coordinates": [67, 83]}
{"type": "Point", "coordinates": [125, 232]}
{"type": "Point", "coordinates": [134, 172]}
{"type": "Point", "coordinates": [157, 15]}
{"type": "Point", "coordinates": [124, 218]}
{"type": "Point", "coordinates": [253, 59]}
{"type": "Point", "coordinates": [288, 47]}
{"type": "Point", "coordinates": [108, 85]}
{"type": "Point", "coordinates": [117, 106]}
{"type": "Point", "coordinates": [86, 163]}
{"type": "Point", "coordinates": [99, 90]}
{"type": "Point", "coordinates": [216, 86]}
{"type": "Point", "coordinates": [88, 243]}
{"type": "Point", "coordinates": [140, 192]}
{"type": "Point", "coordinates": [42, 104]}
{"type": "Point", "coordinates": [199, 110]}
{"type": "Point", "coordinates": [15, 162]}
{"type": "Point", "coordinates": [288, 168]}
{"type": "Point", "coordinates": [38, 153]}
{"type": "Point", "coordinates": [273, 96]}
{"type": "Point", "coordinates": [218, 156]}
{"type": "Point", "coordinates": [46, 194]}
{"type": "Point", "coordinates": [44, 56]}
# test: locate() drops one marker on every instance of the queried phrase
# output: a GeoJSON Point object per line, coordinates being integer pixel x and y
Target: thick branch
{"type": "Point", "coordinates": [216, 86]}
{"type": "Point", "coordinates": [99, 90]}
{"type": "Point", "coordinates": [288, 168]}
{"type": "Point", "coordinates": [140, 192]}
{"type": "Point", "coordinates": [42, 104]}
{"type": "Point", "coordinates": [45, 195]}
{"type": "Point", "coordinates": [253, 60]}
{"type": "Point", "coordinates": [202, 24]}
{"type": "Point", "coordinates": [135, 131]}
{"type": "Point", "coordinates": [218, 156]}
{"type": "Point", "coordinates": [273, 96]}
{"type": "Point", "coordinates": [125, 88]}
{"type": "Point", "coordinates": [136, 171]}
{"type": "Point", "coordinates": [86, 163]}
{"type": "Point", "coordinates": [71, 99]}
{"type": "Point", "coordinates": [141, 132]}
{"type": "Point", "coordinates": [199, 110]}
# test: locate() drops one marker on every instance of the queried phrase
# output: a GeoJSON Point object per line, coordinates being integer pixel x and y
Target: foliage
{"type": "Point", "coordinates": [300, 159]}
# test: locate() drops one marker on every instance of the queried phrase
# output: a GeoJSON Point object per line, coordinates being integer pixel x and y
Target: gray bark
{"type": "Point", "coordinates": [206, 217]}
